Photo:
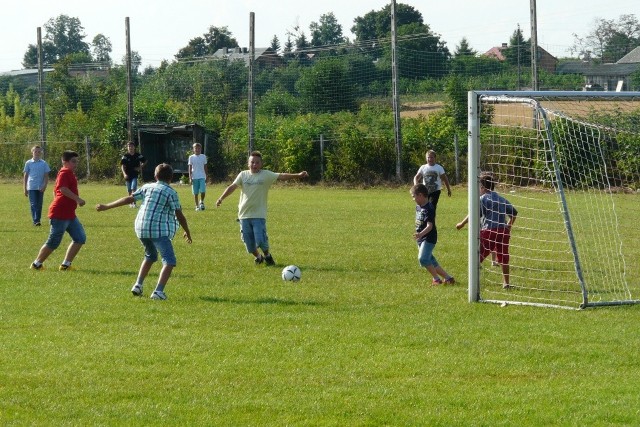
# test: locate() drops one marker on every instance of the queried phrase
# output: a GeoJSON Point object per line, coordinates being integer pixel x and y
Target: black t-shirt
{"type": "Point", "coordinates": [425, 214]}
{"type": "Point", "coordinates": [130, 162]}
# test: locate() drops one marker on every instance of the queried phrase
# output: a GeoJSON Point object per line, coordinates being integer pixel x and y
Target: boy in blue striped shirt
{"type": "Point", "coordinates": [156, 225]}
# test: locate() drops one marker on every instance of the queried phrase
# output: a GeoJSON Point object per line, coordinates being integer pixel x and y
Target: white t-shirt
{"type": "Point", "coordinates": [431, 176]}
{"type": "Point", "coordinates": [255, 188]}
{"type": "Point", "coordinates": [198, 163]}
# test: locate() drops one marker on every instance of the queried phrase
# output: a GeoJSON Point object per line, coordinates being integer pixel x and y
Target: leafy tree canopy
{"type": "Point", "coordinates": [327, 31]}
{"type": "Point", "coordinates": [216, 38]}
{"type": "Point", "coordinates": [377, 24]}
{"type": "Point", "coordinates": [608, 40]}
{"type": "Point", "coordinates": [63, 36]}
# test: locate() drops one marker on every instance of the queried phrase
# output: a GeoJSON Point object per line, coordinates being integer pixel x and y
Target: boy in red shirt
{"type": "Point", "coordinates": [62, 213]}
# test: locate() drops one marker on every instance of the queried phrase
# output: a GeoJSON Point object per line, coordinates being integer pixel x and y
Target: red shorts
{"type": "Point", "coordinates": [495, 240]}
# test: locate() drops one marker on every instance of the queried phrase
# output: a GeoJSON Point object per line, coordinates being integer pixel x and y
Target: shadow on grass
{"type": "Point", "coordinates": [266, 301]}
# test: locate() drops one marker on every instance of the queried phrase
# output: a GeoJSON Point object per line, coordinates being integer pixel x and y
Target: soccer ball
{"type": "Point", "coordinates": [291, 273]}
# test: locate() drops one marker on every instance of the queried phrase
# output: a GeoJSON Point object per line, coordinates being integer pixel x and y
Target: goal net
{"type": "Point", "coordinates": [569, 162]}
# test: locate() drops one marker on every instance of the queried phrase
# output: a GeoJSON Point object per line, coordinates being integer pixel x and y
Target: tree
{"type": "Point", "coordinates": [102, 49]}
{"type": "Point", "coordinates": [326, 87]}
{"type": "Point", "coordinates": [377, 24]}
{"type": "Point", "coordinates": [464, 49]}
{"type": "Point", "coordinates": [275, 44]}
{"type": "Point", "coordinates": [63, 36]}
{"type": "Point", "coordinates": [519, 50]}
{"type": "Point", "coordinates": [327, 31]}
{"type": "Point", "coordinates": [216, 38]}
{"type": "Point", "coordinates": [608, 40]}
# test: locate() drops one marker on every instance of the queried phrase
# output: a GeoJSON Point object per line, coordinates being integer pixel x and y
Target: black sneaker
{"type": "Point", "coordinates": [259, 260]}
{"type": "Point", "coordinates": [37, 267]}
{"type": "Point", "coordinates": [269, 260]}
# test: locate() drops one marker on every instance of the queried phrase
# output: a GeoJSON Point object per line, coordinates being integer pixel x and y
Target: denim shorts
{"type": "Point", "coordinates": [198, 186]}
{"type": "Point", "coordinates": [253, 232]}
{"type": "Point", "coordinates": [162, 245]}
{"type": "Point", "coordinates": [132, 184]}
{"type": "Point", "coordinates": [71, 226]}
{"type": "Point", "coordinates": [425, 254]}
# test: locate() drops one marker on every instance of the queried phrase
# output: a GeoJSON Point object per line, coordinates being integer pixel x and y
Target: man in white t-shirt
{"type": "Point", "coordinates": [432, 175]}
{"type": "Point", "coordinates": [198, 175]}
{"type": "Point", "coordinates": [254, 185]}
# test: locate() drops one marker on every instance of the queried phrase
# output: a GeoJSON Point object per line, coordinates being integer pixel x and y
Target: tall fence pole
{"type": "Point", "coordinates": [88, 156]}
{"type": "Point", "coordinates": [534, 45]}
{"type": "Point", "coordinates": [129, 88]}
{"type": "Point", "coordinates": [252, 52]}
{"type": "Point", "coordinates": [396, 100]}
{"type": "Point", "coordinates": [43, 119]}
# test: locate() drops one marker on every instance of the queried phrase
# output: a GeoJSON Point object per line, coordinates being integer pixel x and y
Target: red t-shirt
{"type": "Point", "coordinates": [63, 207]}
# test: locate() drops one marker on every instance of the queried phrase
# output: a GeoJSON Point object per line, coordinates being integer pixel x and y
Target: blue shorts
{"type": "Point", "coordinates": [425, 254]}
{"type": "Point", "coordinates": [132, 184]}
{"type": "Point", "coordinates": [162, 245]}
{"type": "Point", "coordinates": [253, 232]}
{"type": "Point", "coordinates": [198, 186]}
{"type": "Point", "coordinates": [71, 226]}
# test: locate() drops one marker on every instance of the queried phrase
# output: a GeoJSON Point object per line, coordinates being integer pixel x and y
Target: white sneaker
{"type": "Point", "coordinates": [137, 290]}
{"type": "Point", "coordinates": [197, 208]}
{"type": "Point", "coordinates": [201, 206]}
{"type": "Point", "coordinates": [159, 295]}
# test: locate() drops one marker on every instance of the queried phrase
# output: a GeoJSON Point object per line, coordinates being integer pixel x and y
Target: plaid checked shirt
{"type": "Point", "coordinates": [157, 215]}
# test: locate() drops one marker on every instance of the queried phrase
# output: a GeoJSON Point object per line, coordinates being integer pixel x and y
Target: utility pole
{"type": "Point", "coordinates": [394, 89]}
{"type": "Point", "coordinates": [534, 46]}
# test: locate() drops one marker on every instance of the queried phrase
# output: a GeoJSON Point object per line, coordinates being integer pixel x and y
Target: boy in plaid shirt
{"type": "Point", "coordinates": [156, 225]}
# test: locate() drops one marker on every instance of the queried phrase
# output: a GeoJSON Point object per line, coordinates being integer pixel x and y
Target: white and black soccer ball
{"type": "Point", "coordinates": [291, 273]}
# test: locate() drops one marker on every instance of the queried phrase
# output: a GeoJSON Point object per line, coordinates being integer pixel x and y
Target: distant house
{"type": "Point", "coordinates": [546, 61]}
{"type": "Point", "coordinates": [263, 57]}
{"type": "Point", "coordinates": [29, 75]}
{"type": "Point", "coordinates": [607, 77]}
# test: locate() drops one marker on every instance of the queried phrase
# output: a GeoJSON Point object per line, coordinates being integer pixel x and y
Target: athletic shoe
{"type": "Point", "coordinates": [495, 264]}
{"type": "Point", "coordinates": [197, 208]}
{"type": "Point", "coordinates": [259, 259]}
{"type": "Point", "coordinates": [37, 267]}
{"type": "Point", "coordinates": [159, 295]}
{"type": "Point", "coordinates": [436, 282]}
{"type": "Point", "coordinates": [450, 281]}
{"type": "Point", "coordinates": [137, 290]}
{"type": "Point", "coordinates": [132, 205]}
{"type": "Point", "coordinates": [269, 260]}
{"type": "Point", "coordinates": [201, 206]}
{"type": "Point", "coordinates": [37, 224]}
{"type": "Point", "coordinates": [65, 267]}
{"type": "Point", "coordinates": [506, 286]}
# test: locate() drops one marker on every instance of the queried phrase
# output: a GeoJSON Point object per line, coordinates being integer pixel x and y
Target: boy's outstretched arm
{"type": "Point", "coordinates": [127, 200]}
{"type": "Point", "coordinates": [287, 176]}
{"type": "Point", "coordinates": [463, 222]}
{"type": "Point", "coordinates": [183, 223]}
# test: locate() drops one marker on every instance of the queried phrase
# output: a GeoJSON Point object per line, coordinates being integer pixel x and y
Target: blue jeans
{"type": "Point", "coordinates": [425, 254]}
{"type": "Point", "coordinates": [253, 232]}
{"type": "Point", "coordinates": [132, 184]}
{"type": "Point", "coordinates": [36, 198]}
{"type": "Point", "coordinates": [162, 245]}
{"type": "Point", "coordinates": [71, 226]}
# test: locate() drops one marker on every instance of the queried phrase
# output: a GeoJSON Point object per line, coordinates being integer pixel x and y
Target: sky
{"type": "Point", "coordinates": [159, 29]}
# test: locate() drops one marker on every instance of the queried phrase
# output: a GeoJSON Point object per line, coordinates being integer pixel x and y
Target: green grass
{"type": "Point", "coordinates": [362, 339]}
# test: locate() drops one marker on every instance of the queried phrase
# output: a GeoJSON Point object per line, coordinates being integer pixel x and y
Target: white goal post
{"type": "Point", "coordinates": [569, 162]}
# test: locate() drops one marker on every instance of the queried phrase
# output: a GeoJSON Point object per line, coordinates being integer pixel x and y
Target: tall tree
{"type": "Point", "coordinates": [208, 44]}
{"type": "Point", "coordinates": [608, 40]}
{"type": "Point", "coordinates": [327, 31]}
{"type": "Point", "coordinates": [377, 24]}
{"type": "Point", "coordinates": [464, 49]}
{"type": "Point", "coordinates": [275, 44]}
{"type": "Point", "coordinates": [63, 36]}
{"type": "Point", "coordinates": [102, 49]}
{"type": "Point", "coordinates": [519, 50]}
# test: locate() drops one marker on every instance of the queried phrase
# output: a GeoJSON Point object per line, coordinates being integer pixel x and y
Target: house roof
{"type": "Point", "coordinates": [242, 53]}
{"type": "Point", "coordinates": [612, 69]}
{"type": "Point", "coordinates": [573, 67]}
{"type": "Point", "coordinates": [631, 57]}
{"type": "Point", "coordinates": [25, 72]}
{"type": "Point", "coordinates": [496, 52]}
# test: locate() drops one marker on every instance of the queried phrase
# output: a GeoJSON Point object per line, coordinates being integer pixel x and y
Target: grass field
{"type": "Point", "coordinates": [362, 339]}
